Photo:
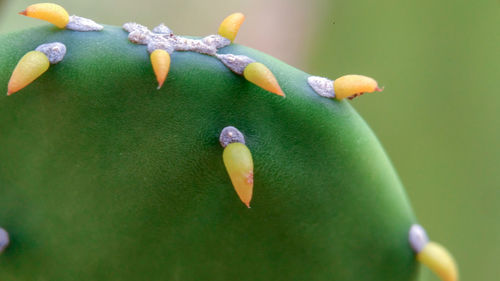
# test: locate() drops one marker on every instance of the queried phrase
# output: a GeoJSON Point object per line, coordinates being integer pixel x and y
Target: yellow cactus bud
{"type": "Point", "coordinates": [29, 68]}
{"type": "Point", "coordinates": [239, 165]}
{"type": "Point", "coordinates": [160, 59]}
{"type": "Point", "coordinates": [50, 12]}
{"type": "Point", "coordinates": [351, 86]}
{"type": "Point", "coordinates": [230, 26]}
{"type": "Point", "coordinates": [261, 76]}
{"type": "Point", "coordinates": [439, 260]}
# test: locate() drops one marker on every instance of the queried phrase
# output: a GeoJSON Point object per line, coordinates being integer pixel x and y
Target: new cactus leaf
{"type": "Point", "coordinates": [231, 25]}
{"type": "Point", "coordinates": [29, 68]}
{"type": "Point", "coordinates": [261, 76]}
{"type": "Point", "coordinates": [59, 17]}
{"type": "Point", "coordinates": [239, 165]}
{"type": "Point", "coordinates": [439, 260]}
{"type": "Point", "coordinates": [50, 12]}
{"type": "Point", "coordinates": [160, 61]}
{"type": "Point", "coordinates": [351, 86]}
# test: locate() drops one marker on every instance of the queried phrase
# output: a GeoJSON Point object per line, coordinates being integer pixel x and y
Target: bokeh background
{"type": "Point", "coordinates": [438, 117]}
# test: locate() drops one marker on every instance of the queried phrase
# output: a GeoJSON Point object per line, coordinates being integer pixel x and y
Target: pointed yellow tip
{"type": "Point", "coordinates": [239, 165]}
{"type": "Point", "coordinates": [439, 260]}
{"type": "Point", "coordinates": [160, 60]}
{"type": "Point", "coordinates": [230, 26]}
{"type": "Point", "coordinates": [280, 92]}
{"type": "Point", "coordinates": [23, 12]}
{"type": "Point", "coordinates": [50, 12]}
{"type": "Point", "coordinates": [29, 68]}
{"type": "Point", "coordinates": [351, 86]}
{"type": "Point", "coordinates": [261, 76]}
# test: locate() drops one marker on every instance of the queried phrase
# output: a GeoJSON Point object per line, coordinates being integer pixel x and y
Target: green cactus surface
{"type": "Point", "coordinates": [104, 177]}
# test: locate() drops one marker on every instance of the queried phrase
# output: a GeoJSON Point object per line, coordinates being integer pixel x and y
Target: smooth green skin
{"type": "Point", "coordinates": [103, 177]}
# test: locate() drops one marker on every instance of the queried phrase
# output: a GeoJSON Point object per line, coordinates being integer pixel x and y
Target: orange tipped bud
{"type": "Point", "coordinates": [261, 76]}
{"type": "Point", "coordinates": [439, 260]}
{"type": "Point", "coordinates": [230, 26]}
{"type": "Point", "coordinates": [160, 59]}
{"type": "Point", "coordinates": [239, 164]}
{"type": "Point", "coordinates": [50, 12]}
{"type": "Point", "coordinates": [351, 86]}
{"type": "Point", "coordinates": [30, 67]}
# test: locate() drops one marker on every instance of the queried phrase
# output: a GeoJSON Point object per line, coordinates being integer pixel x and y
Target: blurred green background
{"type": "Point", "coordinates": [438, 117]}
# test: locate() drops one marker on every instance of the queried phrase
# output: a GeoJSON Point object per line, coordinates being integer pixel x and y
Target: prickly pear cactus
{"type": "Point", "coordinates": [106, 177]}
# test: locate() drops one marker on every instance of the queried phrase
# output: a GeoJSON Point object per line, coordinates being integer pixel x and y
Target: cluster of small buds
{"type": "Point", "coordinates": [162, 42]}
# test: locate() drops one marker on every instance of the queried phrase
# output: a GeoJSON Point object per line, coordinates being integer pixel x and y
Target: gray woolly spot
{"type": "Point", "coordinates": [82, 24]}
{"type": "Point", "coordinates": [4, 239]}
{"type": "Point", "coordinates": [418, 238]}
{"type": "Point", "coordinates": [162, 38]}
{"type": "Point", "coordinates": [216, 41]}
{"type": "Point", "coordinates": [322, 86]}
{"type": "Point", "coordinates": [229, 135]}
{"type": "Point", "coordinates": [193, 45]}
{"type": "Point", "coordinates": [132, 26]}
{"type": "Point", "coordinates": [54, 51]}
{"type": "Point", "coordinates": [139, 37]}
{"type": "Point", "coordinates": [163, 45]}
{"type": "Point", "coordinates": [237, 63]}
{"type": "Point", "coordinates": [140, 34]}
{"type": "Point", "coordinates": [163, 29]}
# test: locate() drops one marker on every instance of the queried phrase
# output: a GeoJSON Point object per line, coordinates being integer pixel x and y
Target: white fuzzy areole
{"type": "Point", "coordinates": [131, 26]}
{"type": "Point", "coordinates": [139, 37]}
{"type": "Point", "coordinates": [77, 23]}
{"type": "Point", "coordinates": [55, 51]}
{"type": "Point", "coordinates": [237, 63]}
{"type": "Point", "coordinates": [216, 40]}
{"type": "Point", "coordinates": [4, 239]}
{"type": "Point", "coordinates": [192, 45]}
{"type": "Point", "coordinates": [162, 29]}
{"type": "Point", "coordinates": [162, 45]}
{"type": "Point", "coordinates": [229, 135]}
{"type": "Point", "coordinates": [322, 86]}
{"type": "Point", "coordinates": [418, 238]}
